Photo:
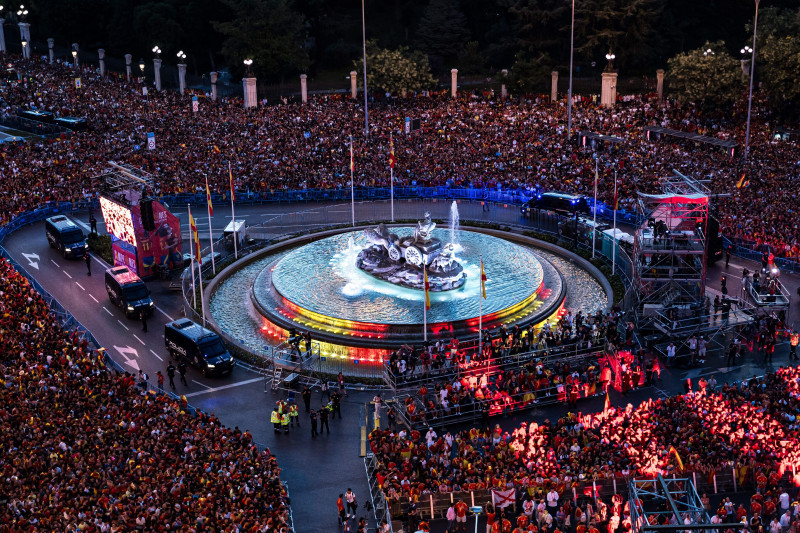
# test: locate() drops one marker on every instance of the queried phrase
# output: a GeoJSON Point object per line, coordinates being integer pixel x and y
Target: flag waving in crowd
{"type": "Point", "coordinates": [230, 179]}
{"type": "Point", "coordinates": [743, 182]}
{"type": "Point", "coordinates": [483, 280]}
{"type": "Point", "coordinates": [427, 290]}
{"type": "Point", "coordinates": [392, 159]}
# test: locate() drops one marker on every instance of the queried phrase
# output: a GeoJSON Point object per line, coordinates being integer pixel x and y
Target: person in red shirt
{"type": "Point", "coordinates": [461, 515]}
{"type": "Point", "coordinates": [340, 508]}
{"type": "Point", "coordinates": [490, 518]}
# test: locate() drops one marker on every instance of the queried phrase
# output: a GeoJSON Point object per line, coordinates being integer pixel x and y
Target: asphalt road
{"type": "Point", "coordinates": [316, 470]}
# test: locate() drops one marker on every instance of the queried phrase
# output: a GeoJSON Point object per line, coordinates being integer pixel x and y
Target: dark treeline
{"type": "Point", "coordinates": [477, 36]}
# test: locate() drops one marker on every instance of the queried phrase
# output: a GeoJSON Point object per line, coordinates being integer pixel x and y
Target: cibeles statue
{"type": "Point", "coordinates": [424, 229]}
{"type": "Point", "coordinates": [402, 260]}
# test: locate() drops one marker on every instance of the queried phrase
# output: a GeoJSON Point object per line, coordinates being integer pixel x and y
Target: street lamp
{"type": "Point", "coordinates": [75, 57]}
{"type": "Point", "coordinates": [22, 13]}
{"type": "Point", "coordinates": [181, 58]}
{"type": "Point", "coordinates": [157, 51]}
{"type": "Point", "coordinates": [247, 64]}
{"type": "Point", "coordinates": [569, 91]}
{"type": "Point", "coordinates": [610, 57]}
{"type": "Point", "coordinates": [708, 52]}
{"type": "Point", "coordinates": [750, 96]}
{"type": "Point", "coordinates": [141, 65]}
{"type": "Point", "coordinates": [746, 50]}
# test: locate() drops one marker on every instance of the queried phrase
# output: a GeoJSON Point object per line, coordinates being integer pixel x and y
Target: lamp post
{"type": "Point", "coordinates": [24, 30]}
{"type": "Point", "coordinates": [364, 45]}
{"type": "Point", "coordinates": [708, 52]}
{"type": "Point", "coordinates": [141, 69]}
{"type": "Point", "coordinates": [75, 58]}
{"type": "Point", "coordinates": [182, 71]}
{"type": "Point", "coordinates": [248, 63]}
{"type": "Point", "coordinates": [157, 67]}
{"type": "Point", "coordinates": [569, 91]}
{"type": "Point", "coordinates": [24, 47]}
{"type": "Point", "coordinates": [750, 96]}
{"type": "Point", "coordinates": [610, 57]}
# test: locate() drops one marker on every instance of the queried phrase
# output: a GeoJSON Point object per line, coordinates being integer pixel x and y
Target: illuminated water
{"type": "Point", "coordinates": [322, 277]}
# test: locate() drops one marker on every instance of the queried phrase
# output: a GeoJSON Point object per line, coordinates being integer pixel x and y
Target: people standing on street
{"type": "Point", "coordinates": [306, 394]}
{"type": "Point", "coordinates": [92, 225]}
{"type": "Point", "coordinates": [171, 375]}
{"type": "Point", "coordinates": [324, 390]}
{"type": "Point", "coordinates": [160, 380]}
{"type": "Point", "coordinates": [340, 509]}
{"type": "Point", "coordinates": [285, 422]}
{"type": "Point", "coordinates": [340, 380]}
{"type": "Point", "coordinates": [294, 415]}
{"type": "Point", "coordinates": [313, 417]}
{"type": "Point", "coordinates": [88, 260]}
{"type": "Point", "coordinates": [275, 418]}
{"type": "Point", "coordinates": [182, 372]}
{"type": "Point", "coordinates": [337, 405]}
{"type": "Point", "coordinates": [143, 318]}
{"type": "Point", "coordinates": [352, 504]}
{"type": "Point", "coordinates": [323, 419]}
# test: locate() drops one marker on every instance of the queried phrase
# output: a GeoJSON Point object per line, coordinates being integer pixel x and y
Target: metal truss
{"type": "Point", "coordinates": [651, 499]}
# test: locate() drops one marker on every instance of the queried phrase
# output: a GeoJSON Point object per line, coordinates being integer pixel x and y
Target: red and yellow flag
{"type": "Point", "coordinates": [195, 239]}
{"type": "Point", "coordinates": [230, 178]}
{"type": "Point", "coordinates": [392, 159]}
{"type": "Point", "coordinates": [672, 450]}
{"type": "Point", "coordinates": [607, 404]}
{"type": "Point", "coordinates": [483, 280]}
{"type": "Point", "coordinates": [208, 199]}
{"type": "Point", "coordinates": [427, 289]}
{"type": "Point", "coordinates": [352, 161]}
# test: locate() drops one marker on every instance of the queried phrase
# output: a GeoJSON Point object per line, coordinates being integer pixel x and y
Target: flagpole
{"type": "Point", "coordinates": [594, 219]}
{"type": "Point", "coordinates": [352, 193]}
{"type": "Point", "coordinates": [191, 238]}
{"type": "Point", "coordinates": [210, 229]}
{"type": "Point", "coordinates": [480, 312]}
{"type": "Point", "coordinates": [425, 305]}
{"type": "Point", "coordinates": [391, 174]}
{"type": "Point", "coordinates": [233, 217]}
{"type": "Point", "coordinates": [200, 280]}
{"type": "Point", "coordinates": [614, 242]}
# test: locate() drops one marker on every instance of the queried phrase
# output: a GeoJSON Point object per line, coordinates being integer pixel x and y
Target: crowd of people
{"type": "Point", "coordinates": [467, 142]}
{"type": "Point", "coordinates": [751, 426]}
{"type": "Point", "coordinates": [84, 448]}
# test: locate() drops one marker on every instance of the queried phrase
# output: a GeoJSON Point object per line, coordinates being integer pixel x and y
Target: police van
{"type": "Point", "coordinates": [65, 236]}
{"type": "Point", "coordinates": [128, 292]}
{"type": "Point", "coordinates": [198, 346]}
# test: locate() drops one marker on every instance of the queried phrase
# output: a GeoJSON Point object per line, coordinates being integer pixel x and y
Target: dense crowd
{"type": "Point", "coordinates": [752, 426]}
{"type": "Point", "coordinates": [84, 448]}
{"type": "Point", "coordinates": [469, 142]}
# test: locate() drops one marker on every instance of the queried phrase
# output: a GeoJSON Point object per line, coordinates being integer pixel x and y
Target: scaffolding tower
{"type": "Point", "coordinates": [670, 258]}
{"type": "Point", "coordinates": [657, 502]}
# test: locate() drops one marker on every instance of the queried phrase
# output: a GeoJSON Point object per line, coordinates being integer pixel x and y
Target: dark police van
{"type": "Point", "coordinates": [198, 346]}
{"type": "Point", "coordinates": [65, 236]}
{"type": "Point", "coordinates": [128, 292]}
{"type": "Point", "coordinates": [562, 203]}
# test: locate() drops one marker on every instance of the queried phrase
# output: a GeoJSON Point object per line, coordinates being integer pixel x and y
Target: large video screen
{"type": "Point", "coordinates": [119, 222]}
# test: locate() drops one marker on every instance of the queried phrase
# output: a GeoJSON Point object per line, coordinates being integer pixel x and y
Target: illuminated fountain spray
{"type": "Point", "coordinates": [454, 226]}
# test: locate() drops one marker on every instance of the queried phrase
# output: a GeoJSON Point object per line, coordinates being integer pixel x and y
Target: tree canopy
{"type": "Point", "coordinates": [707, 76]}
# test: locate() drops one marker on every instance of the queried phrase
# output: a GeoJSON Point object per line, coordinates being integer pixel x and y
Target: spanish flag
{"type": "Point", "coordinates": [743, 182]}
{"type": "Point", "coordinates": [427, 289]}
{"type": "Point", "coordinates": [392, 159]}
{"type": "Point", "coordinates": [352, 162]}
{"type": "Point", "coordinates": [208, 199]}
{"type": "Point", "coordinates": [483, 280]}
{"type": "Point", "coordinates": [607, 404]}
{"type": "Point", "coordinates": [230, 178]}
{"type": "Point", "coordinates": [216, 149]}
{"type": "Point", "coordinates": [195, 239]}
{"type": "Point", "coordinates": [672, 450]}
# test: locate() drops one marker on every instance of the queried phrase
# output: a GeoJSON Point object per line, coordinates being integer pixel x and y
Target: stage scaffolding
{"type": "Point", "coordinates": [653, 502]}
{"type": "Point", "coordinates": [670, 258]}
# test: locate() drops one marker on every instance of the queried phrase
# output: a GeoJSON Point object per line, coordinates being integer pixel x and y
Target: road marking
{"type": "Point", "coordinates": [107, 311]}
{"type": "Point", "coordinates": [201, 384]}
{"type": "Point", "coordinates": [138, 339]}
{"type": "Point", "coordinates": [223, 387]}
{"type": "Point", "coordinates": [124, 351]}
{"type": "Point", "coordinates": [81, 224]}
{"type": "Point", "coordinates": [123, 325]}
{"type": "Point", "coordinates": [65, 272]}
{"type": "Point", "coordinates": [93, 298]}
{"type": "Point", "coordinates": [79, 285]}
{"type": "Point", "coordinates": [31, 262]}
{"type": "Point", "coordinates": [56, 264]}
{"type": "Point", "coordinates": [154, 353]}
{"type": "Point", "coordinates": [165, 314]}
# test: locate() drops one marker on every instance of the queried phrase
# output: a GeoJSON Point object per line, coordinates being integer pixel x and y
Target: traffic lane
{"type": "Point", "coordinates": [86, 299]}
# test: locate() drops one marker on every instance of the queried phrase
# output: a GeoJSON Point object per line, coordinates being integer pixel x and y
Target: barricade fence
{"type": "Point", "coordinates": [434, 505]}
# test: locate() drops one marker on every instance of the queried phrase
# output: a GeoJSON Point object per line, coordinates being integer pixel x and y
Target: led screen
{"type": "Point", "coordinates": [118, 221]}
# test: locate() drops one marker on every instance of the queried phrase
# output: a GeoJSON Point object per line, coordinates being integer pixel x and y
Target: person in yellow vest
{"type": "Point", "coordinates": [294, 414]}
{"type": "Point", "coordinates": [794, 340]}
{"type": "Point", "coordinates": [275, 418]}
{"type": "Point", "coordinates": [285, 422]}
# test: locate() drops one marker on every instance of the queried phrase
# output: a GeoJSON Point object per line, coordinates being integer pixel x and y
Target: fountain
{"type": "Point", "coordinates": [454, 225]}
{"type": "Point", "coordinates": [403, 260]}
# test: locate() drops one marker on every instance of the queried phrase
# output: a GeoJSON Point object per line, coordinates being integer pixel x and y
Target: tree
{"type": "Point", "coordinates": [707, 78]}
{"type": "Point", "coordinates": [471, 60]}
{"type": "Point", "coordinates": [269, 32]}
{"type": "Point", "coordinates": [778, 63]}
{"type": "Point", "coordinates": [442, 32]}
{"type": "Point", "coordinates": [529, 73]}
{"type": "Point", "coordinates": [395, 71]}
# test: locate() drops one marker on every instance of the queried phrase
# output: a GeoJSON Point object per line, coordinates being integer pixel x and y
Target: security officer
{"type": "Point", "coordinates": [285, 422]}
{"type": "Point", "coordinates": [314, 432]}
{"type": "Point", "coordinates": [182, 371]}
{"type": "Point", "coordinates": [294, 415]}
{"type": "Point", "coordinates": [171, 375]}
{"type": "Point", "coordinates": [275, 418]}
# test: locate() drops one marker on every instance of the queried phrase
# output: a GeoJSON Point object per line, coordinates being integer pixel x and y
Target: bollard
{"type": "Point", "coordinates": [733, 469]}
{"type": "Point", "coordinates": [472, 498]}
{"type": "Point", "coordinates": [575, 496]}
{"type": "Point", "coordinates": [614, 482]}
{"type": "Point", "coordinates": [715, 483]}
{"type": "Point", "coordinates": [431, 495]}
